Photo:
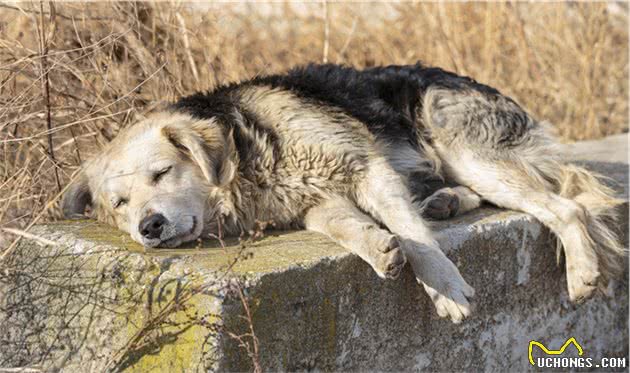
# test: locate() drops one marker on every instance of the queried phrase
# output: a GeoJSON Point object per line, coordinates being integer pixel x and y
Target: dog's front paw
{"type": "Point", "coordinates": [447, 288]}
{"type": "Point", "coordinates": [441, 279]}
{"type": "Point", "coordinates": [392, 260]}
{"type": "Point", "coordinates": [441, 205]}
{"type": "Point", "coordinates": [452, 303]}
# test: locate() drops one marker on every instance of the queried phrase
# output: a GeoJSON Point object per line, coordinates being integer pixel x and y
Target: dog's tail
{"type": "Point", "coordinates": [601, 213]}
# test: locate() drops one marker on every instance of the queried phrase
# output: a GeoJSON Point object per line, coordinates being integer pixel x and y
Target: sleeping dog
{"type": "Point", "coordinates": [342, 151]}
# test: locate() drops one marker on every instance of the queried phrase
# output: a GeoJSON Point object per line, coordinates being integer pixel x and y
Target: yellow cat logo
{"type": "Point", "coordinates": [553, 352]}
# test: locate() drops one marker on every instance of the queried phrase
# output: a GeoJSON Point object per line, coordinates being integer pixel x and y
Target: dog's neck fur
{"type": "Point", "coordinates": [240, 207]}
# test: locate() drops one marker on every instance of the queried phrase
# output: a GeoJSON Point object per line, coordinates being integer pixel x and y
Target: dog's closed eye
{"type": "Point", "coordinates": [120, 202]}
{"type": "Point", "coordinates": [158, 175]}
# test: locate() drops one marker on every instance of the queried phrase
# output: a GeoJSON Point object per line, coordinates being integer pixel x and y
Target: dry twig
{"type": "Point", "coordinates": [44, 38]}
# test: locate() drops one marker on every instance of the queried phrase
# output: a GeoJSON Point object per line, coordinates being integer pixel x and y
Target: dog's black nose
{"type": "Point", "coordinates": [151, 226]}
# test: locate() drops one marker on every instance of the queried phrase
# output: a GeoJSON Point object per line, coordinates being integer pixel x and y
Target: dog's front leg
{"type": "Point", "coordinates": [342, 221]}
{"type": "Point", "coordinates": [385, 196]}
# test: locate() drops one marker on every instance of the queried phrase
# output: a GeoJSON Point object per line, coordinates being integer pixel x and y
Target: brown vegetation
{"type": "Point", "coordinates": [73, 74]}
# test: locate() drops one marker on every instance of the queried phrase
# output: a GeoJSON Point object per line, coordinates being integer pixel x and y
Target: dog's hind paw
{"type": "Point", "coordinates": [582, 281]}
{"type": "Point", "coordinates": [441, 205]}
{"type": "Point", "coordinates": [454, 302]}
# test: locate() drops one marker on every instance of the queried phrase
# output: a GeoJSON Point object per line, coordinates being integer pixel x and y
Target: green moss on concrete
{"type": "Point", "coordinates": [276, 251]}
{"type": "Point", "coordinates": [99, 233]}
{"type": "Point", "coordinates": [180, 343]}
{"type": "Point", "coordinates": [185, 338]}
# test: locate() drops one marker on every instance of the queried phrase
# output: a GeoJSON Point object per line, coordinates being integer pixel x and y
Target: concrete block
{"type": "Point", "coordinates": [98, 301]}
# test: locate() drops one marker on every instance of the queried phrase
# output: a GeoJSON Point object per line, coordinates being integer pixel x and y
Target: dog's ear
{"type": "Point", "coordinates": [208, 146]}
{"type": "Point", "coordinates": [76, 198]}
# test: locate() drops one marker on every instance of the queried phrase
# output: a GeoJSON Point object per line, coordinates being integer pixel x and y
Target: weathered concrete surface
{"type": "Point", "coordinates": [80, 306]}
{"type": "Point", "coordinates": [613, 149]}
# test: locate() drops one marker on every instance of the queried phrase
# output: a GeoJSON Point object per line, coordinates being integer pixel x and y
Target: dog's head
{"type": "Point", "coordinates": [156, 179]}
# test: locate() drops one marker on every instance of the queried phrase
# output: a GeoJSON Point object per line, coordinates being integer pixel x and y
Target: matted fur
{"type": "Point", "coordinates": [339, 151]}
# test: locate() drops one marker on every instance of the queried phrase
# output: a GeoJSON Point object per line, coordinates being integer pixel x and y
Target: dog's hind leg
{"type": "Point", "coordinates": [488, 143]}
{"type": "Point", "coordinates": [449, 202]}
{"type": "Point", "coordinates": [438, 199]}
{"type": "Point", "coordinates": [384, 195]}
{"type": "Point", "coordinates": [566, 218]}
{"type": "Point", "coordinates": [342, 221]}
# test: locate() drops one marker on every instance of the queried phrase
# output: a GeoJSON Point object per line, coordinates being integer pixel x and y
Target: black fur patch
{"type": "Point", "coordinates": [386, 99]}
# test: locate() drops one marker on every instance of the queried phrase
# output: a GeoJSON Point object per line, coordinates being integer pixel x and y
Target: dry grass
{"type": "Point", "coordinates": [73, 76]}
